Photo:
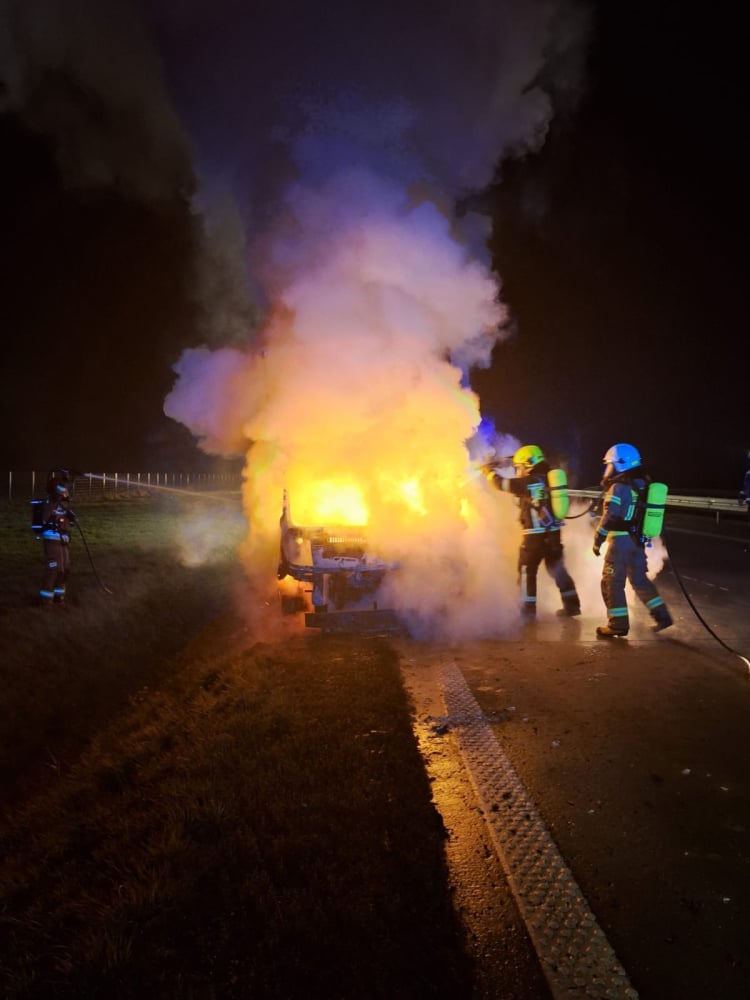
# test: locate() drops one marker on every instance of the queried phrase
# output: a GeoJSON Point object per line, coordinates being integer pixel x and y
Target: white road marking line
{"type": "Point", "coordinates": [574, 953]}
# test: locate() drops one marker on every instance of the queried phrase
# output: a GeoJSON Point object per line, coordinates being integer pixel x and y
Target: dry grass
{"type": "Point", "coordinates": [194, 814]}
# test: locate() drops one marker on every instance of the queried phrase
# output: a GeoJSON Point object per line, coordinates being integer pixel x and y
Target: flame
{"type": "Point", "coordinates": [412, 494]}
{"type": "Point", "coordinates": [329, 502]}
{"type": "Point", "coordinates": [341, 502]}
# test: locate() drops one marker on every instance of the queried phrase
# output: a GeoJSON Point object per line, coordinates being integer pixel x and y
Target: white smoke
{"type": "Point", "coordinates": [656, 556]}
{"type": "Point", "coordinates": [379, 301]}
{"type": "Point", "coordinates": [207, 535]}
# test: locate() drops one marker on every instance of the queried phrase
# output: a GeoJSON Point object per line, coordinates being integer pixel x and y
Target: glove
{"type": "Point", "coordinates": [596, 547]}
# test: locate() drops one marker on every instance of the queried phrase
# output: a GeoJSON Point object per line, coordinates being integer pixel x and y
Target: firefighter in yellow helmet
{"type": "Point", "coordinates": [541, 540]}
{"type": "Point", "coordinates": [625, 483]}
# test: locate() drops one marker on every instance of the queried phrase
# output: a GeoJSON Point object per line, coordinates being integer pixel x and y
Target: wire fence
{"type": "Point", "coordinates": [22, 486]}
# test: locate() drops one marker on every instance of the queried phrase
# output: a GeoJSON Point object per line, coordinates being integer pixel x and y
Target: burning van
{"type": "Point", "coordinates": [330, 568]}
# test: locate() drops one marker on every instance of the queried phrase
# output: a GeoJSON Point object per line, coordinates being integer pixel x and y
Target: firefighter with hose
{"type": "Point", "coordinates": [542, 498]}
{"type": "Point", "coordinates": [55, 521]}
{"type": "Point", "coordinates": [631, 501]}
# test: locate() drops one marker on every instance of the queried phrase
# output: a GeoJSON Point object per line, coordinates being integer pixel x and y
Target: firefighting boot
{"type": "Point", "coordinates": [607, 632]}
{"type": "Point", "coordinates": [663, 620]}
{"type": "Point", "coordinates": [569, 609]}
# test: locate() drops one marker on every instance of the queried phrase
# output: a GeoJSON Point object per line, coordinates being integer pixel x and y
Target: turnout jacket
{"type": "Point", "coordinates": [623, 507]}
{"type": "Point", "coordinates": [57, 518]}
{"type": "Point", "coordinates": [533, 495]}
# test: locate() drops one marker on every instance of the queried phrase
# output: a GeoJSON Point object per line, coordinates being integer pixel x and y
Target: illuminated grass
{"type": "Point", "coordinates": [221, 818]}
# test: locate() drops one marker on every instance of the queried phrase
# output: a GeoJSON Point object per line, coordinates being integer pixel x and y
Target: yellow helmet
{"type": "Point", "coordinates": [527, 457]}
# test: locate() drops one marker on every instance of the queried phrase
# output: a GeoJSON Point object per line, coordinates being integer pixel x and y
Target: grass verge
{"type": "Point", "coordinates": [238, 819]}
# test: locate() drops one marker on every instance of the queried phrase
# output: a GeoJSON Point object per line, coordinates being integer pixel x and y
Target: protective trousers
{"type": "Point", "coordinates": [625, 560]}
{"type": "Point", "coordinates": [57, 564]}
{"type": "Point", "coordinates": [545, 547]}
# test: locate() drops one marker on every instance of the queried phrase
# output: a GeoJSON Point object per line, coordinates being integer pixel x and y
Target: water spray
{"type": "Point", "coordinates": [180, 491]}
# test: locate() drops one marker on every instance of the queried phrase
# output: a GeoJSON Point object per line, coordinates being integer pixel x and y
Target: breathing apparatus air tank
{"type": "Point", "coordinates": [653, 518]}
{"type": "Point", "coordinates": [558, 492]}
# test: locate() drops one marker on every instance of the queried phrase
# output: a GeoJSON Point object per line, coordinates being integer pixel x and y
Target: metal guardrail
{"type": "Point", "coordinates": [717, 504]}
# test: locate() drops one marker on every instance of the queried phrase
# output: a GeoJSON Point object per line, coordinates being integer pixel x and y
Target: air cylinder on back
{"type": "Point", "coordinates": [656, 501]}
{"type": "Point", "coordinates": [558, 490]}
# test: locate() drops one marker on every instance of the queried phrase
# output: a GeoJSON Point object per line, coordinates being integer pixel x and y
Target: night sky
{"type": "Point", "coordinates": [616, 240]}
{"type": "Point", "coordinates": [620, 248]}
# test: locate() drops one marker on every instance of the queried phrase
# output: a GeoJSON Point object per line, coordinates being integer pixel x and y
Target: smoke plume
{"type": "Point", "coordinates": [346, 134]}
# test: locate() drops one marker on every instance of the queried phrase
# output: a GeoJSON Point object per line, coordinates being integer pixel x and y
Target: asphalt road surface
{"type": "Point", "coordinates": [635, 753]}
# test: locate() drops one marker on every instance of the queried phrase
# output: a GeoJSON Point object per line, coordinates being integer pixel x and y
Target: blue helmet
{"type": "Point", "coordinates": [620, 458]}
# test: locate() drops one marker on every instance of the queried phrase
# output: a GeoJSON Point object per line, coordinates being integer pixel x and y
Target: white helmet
{"type": "Point", "coordinates": [620, 458]}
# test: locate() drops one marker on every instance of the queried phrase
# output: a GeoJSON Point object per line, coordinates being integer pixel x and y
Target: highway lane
{"type": "Point", "coordinates": [635, 753]}
{"type": "Point", "coordinates": [711, 563]}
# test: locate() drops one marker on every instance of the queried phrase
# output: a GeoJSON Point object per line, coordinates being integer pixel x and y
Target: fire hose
{"type": "Point", "coordinates": [91, 560]}
{"type": "Point", "coordinates": [588, 510]}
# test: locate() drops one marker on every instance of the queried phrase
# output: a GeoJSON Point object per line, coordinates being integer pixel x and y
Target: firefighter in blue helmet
{"type": "Point", "coordinates": [541, 540]}
{"type": "Point", "coordinates": [625, 485]}
{"type": "Point", "coordinates": [57, 519]}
